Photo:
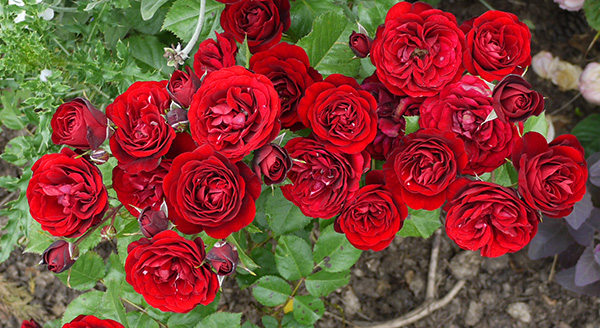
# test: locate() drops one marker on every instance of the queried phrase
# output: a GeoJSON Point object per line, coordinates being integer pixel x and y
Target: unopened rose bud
{"type": "Point", "coordinates": [273, 162]}
{"type": "Point", "coordinates": [360, 44]}
{"type": "Point", "coordinates": [223, 257]}
{"type": "Point", "coordinates": [60, 256]}
{"type": "Point", "coordinates": [589, 83]}
{"type": "Point", "coordinates": [108, 232]}
{"type": "Point", "coordinates": [542, 64]}
{"type": "Point", "coordinates": [152, 222]}
{"type": "Point", "coordinates": [515, 101]}
{"type": "Point", "coordinates": [177, 118]}
{"type": "Point", "coordinates": [182, 86]}
{"type": "Point", "coordinates": [99, 156]}
{"type": "Point", "coordinates": [30, 324]}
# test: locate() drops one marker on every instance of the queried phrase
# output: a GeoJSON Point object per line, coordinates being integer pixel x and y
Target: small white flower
{"type": "Point", "coordinates": [19, 3]}
{"type": "Point", "coordinates": [565, 75]}
{"type": "Point", "coordinates": [542, 64]}
{"type": "Point", "coordinates": [48, 14]}
{"type": "Point", "coordinates": [589, 83]}
{"type": "Point", "coordinates": [20, 17]}
{"type": "Point", "coordinates": [44, 74]}
{"type": "Point", "coordinates": [570, 5]}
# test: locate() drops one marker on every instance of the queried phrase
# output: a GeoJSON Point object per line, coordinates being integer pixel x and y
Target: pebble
{"type": "Point", "coordinates": [417, 285]}
{"type": "Point", "coordinates": [351, 302]}
{"type": "Point", "coordinates": [465, 265]}
{"type": "Point", "coordinates": [496, 264]}
{"type": "Point", "coordinates": [519, 311]}
{"type": "Point", "coordinates": [488, 297]}
{"type": "Point", "coordinates": [474, 313]}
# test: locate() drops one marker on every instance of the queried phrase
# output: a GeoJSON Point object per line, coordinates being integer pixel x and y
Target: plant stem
{"type": "Point", "coordinates": [186, 51]}
{"type": "Point", "coordinates": [556, 111]}
{"type": "Point", "coordinates": [92, 229]}
{"type": "Point", "coordinates": [486, 4]}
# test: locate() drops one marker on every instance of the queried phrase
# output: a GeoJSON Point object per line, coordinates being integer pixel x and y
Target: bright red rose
{"type": "Point", "coordinates": [79, 124]}
{"type": "Point", "coordinates": [287, 66]}
{"type": "Point", "coordinates": [142, 136]}
{"type": "Point", "coordinates": [30, 324]}
{"type": "Point", "coordinates": [182, 86]}
{"type": "Point", "coordinates": [462, 108]}
{"type": "Point", "coordinates": [170, 272]}
{"type": "Point", "coordinates": [552, 176]}
{"type": "Point", "coordinates": [261, 21]}
{"type": "Point", "coordinates": [322, 180]}
{"type": "Point", "coordinates": [498, 44]}
{"type": "Point", "coordinates": [423, 166]}
{"type": "Point", "coordinates": [491, 218]}
{"type": "Point", "coordinates": [90, 321]}
{"type": "Point", "coordinates": [212, 55]}
{"type": "Point", "coordinates": [235, 112]}
{"type": "Point", "coordinates": [66, 194]}
{"type": "Point", "coordinates": [340, 113]}
{"type": "Point", "coordinates": [60, 256]}
{"type": "Point", "coordinates": [418, 50]}
{"type": "Point", "coordinates": [206, 191]}
{"type": "Point", "coordinates": [514, 101]}
{"type": "Point", "coordinates": [273, 162]}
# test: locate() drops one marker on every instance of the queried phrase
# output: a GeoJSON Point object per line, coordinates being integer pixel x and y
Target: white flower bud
{"type": "Point", "coordinates": [589, 83]}
{"type": "Point", "coordinates": [542, 64]}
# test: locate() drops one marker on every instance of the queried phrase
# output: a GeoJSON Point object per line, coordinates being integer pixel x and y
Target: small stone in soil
{"type": "Point", "coordinates": [351, 302]}
{"type": "Point", "coordinates": [465, 265]}
{"type": "Point", "coordinates": [474, 313]}
{"type": "Point", "coordinates": [519, 311]}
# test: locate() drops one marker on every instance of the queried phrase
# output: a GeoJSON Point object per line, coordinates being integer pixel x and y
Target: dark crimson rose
{"type": "Point", "coordinates": [287, 66]}
{"type": "Point", "coordinates": [491, 218]}
{"type": "Point", "coordinates": [340, 113]}
{"type": "Point", "coordinates": [152, 222]}
{"type": "Point", "coordinates": [423, 166]}
{"type": "Point", "coordinates": [418, 50]}
{"type": "Point", "coordinates": [273, 162]}
{"type": "Point", "coordinates": [498, 44]}
{"type": "Point", "coordinates": [206, 191]}
{"type": "Point", "coordinates": [66, 194]}
{"type": "Point", "coordinates": [223, 257]}
{"type": "Point", "coordinates": [360, 44]}
{"type": "Point", "coordinates": [235, 112]}
{"type": "Point", "coordinates": [182, 86]}
{"type": "Point", "coordinates": [60, 256]}
{"type": "Point", "coordinates": [372, 218]}
{"type": "Point", "coordinates": [142, 136]}
{"type": "Point", "coordinates": [212, 55]}
{"type": "Point", "coordinates": [183, 143]}
{"type": "Point", "coordinates": [261, 21]}
{"type": "Point", "coordinates": [90, 321]}
{"type": "Point", "coordinates": [322, 180]}
{"type": "Point", "coordinates": [137, 191]}
{"type": "Point", "coordinates": [170, 272]}
{"type": "Point", "coordinates": [552, 176]}
{"type": "Point", "coordinates": [30, 324]}
{"type": "Point", "coordinates": [463, 108]}
{"type": "Point", "coordinates": [228, 2]}
{"type": "Point", "coordinates": [79, 124]}
{"type": "Point", "coordinates": [514, 101]}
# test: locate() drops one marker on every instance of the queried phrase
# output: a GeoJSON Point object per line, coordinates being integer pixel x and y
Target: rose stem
{"type": "Point", "coordinates": [113, 214]}
{"type": "Point", "coordinates": [185, 52]}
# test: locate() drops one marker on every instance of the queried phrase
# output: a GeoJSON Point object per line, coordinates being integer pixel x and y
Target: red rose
{"type": "Point", "coordinates": [418, 50]}
{"type": "Point", "coordinates": [30, 324]}
{"type": "Point", "coordinates": [142, 136]}
{"type": "Point", "coordinates": [205, 191]}
{"type": "Point", "coordinates": [90, 321]}
{"type": "Point", "coordinates": [235, 111]}
{"type": "Point", "coordinates": [552, 176]}
{"type": "Point", "coordinates": [182, 86]}
{"type": "Point", "coordinates": [140, 190]}
{"type": "Point", "coordinates": [262, 22]}
{"type": "Point", "coordinates": [322, 180]}
{"type": "Point", "coordinates": [273, 162]}
{"type": "Point", "coordinates": [498, 44]}
{"type": "Point", "coordinates": [60, 256]}
{"type": "Point", "coordinates": [423, 166]}
{"type": "Point", "coordinates": [462, 108]}
{"type": "Point", "coordinates": [152, 222]}
{"type": "Point", "coordinates": [372, 218]}
{"type": "Point", "coordinates": [287, 66]}
{"type": "Point", "coordinates": [66, 194]}
{"type": "Point", "coordinates": [514, 101]}
{"type": "Point", "coordinates": [360, 44]}
{"type": "Point", "coordinates": [212, 55]}
{"type": "Point", "coordinates": [491, 218]}
{"type": "Point", "coordinates": [170, 272]}
{"type": "Point", "coordinates": [223, 257]}
{"type": "Point", "coordinates": [79, 124]}
{"type": "Point", "coordinates": [340, 113]}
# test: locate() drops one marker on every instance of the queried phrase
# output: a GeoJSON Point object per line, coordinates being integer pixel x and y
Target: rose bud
{"type": "Point", "coordinates": [182, 86]}
{"type": "Point", "coordinates": [30, 324]}
{"type": "Point", "coordinates": [60, 256]}
{"type": "Point", "coordinates": [273, 162]}
{"type": "Point", "coordinates": [589, 83]}
{"type": "Point", "coordinates": [360, 44]}
{"type": "Point", "coordinates": [108, 232]}
{"type": "Point", "coordinates": [514, 101]}
{"type": "Point", "coordinates": [223, 257]}
{"type": "Point", "coordinates": [99, 156]}
{"type": "Point", "coordinates": [152, 222]}
{"type": "Point", "coordinates": [177, 118]}
{"type": "Point", "coordinates": [79, 124]}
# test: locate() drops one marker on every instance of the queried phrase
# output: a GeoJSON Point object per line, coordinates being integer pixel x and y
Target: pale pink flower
{"type": "Point", "coordinates": [589, 83]}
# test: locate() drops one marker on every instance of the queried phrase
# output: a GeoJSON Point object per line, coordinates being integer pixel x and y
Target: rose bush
{"type": "Point", "coordinates": [79, 124]}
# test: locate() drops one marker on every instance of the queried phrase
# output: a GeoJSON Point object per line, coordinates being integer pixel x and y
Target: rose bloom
{"type": "Point", "coordinates": [273, 162]}
{"type": "Point", "coordinates": [212, 55]}
{"type": "Point", "coordinates": [491, 218]}
{"type": "Point", "coordinates": [170, 272]}
{"type": "Point", "coordinates": [322, 180]}
{"type": "Point", "coordinates": [90, 321]}
{"type": "Point", "coordinates": [287, 66]}
{"type": "Point", "coordinates": [142, 136]}
{"type": "Point", "coordinates": [182, 86]}
{"type": "Point", "coordinates": [589, 83]}
{"type": "Point", "coordinates": [570, 5]}
{"type": "Point", "coordinates": [360, 44]}
{"type": "Point", "coordinates": [498, 44]}
{"type": "Point", "coordinates": [418, 50]}
{"type": "Point", "coordinates": [66, 194]}
{"type": "Point", "coordinates": [542, 64]}
{"type": "Point", "coordinates": [30, 324]}
{"type": "Point", "coordinates": [152, 222]}
{"type": "Point", "coordinates": [462, 108]}
{"type": "Point", "coordinates": [552, 176]}
{"type": "Point", "coordinates": [60, 256]}
{"type": "Point", "coordinates": [423, 166]}
{"type": "Point", "coordinates": [206, 191]}
{"type": "Point", "coordinates": [79, 124]}
{"type": "Point", "coordinates": [340, 113]}
{"type": "Point", "coordinates": [262, 22]}
{"type": "Point", "coordinates": [235, 112]}
{"type": "Point", "coordinates": [515, 101]}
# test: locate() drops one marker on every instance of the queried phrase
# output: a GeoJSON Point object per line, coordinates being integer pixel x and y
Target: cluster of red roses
{"type": "Point", "coordinates": [420, 55]}
{"type": "Point", "coordinates": [82, 321]}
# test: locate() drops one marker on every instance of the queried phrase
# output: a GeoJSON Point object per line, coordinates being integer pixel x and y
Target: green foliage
{"type": "Point", "coordinates": [86, 271]}
{"type": "Point", "coordinates": [372, 14]}
{"type": "Point", "coordinates": [588, 133]}
{"type": "Point", "coordinates": [506, 175]}
{"type": "Point", "coordinates": [303, 13]}
{"type": "Point", "coordinates": [308, 309]}
{"type": "Point", "coordinates": [322, 283]}
{"type": "Point", "coordinates": [293, 257]}
{"type": "Point", "coordinates": [183, 17]}
{"type": "Point", "coordinates": [282, 215]}
{"type": "Point", "coordinates": [421, 223]}
{"type": "Point", "coordinates": [220, 320]}
{"type": "Point", "coordinates": [149, 7]}
{"type": "Point", "coordinates": [271, 291]}
{"type": "Point", "coordinates": [592, 13]}
{"type": "Point", "coordinates": [333, 252]}
{"type": "Point", "coordinates": [537, 124]}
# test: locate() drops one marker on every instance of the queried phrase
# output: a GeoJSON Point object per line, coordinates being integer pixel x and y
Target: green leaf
{"type": "Point", "coordinates": [333, 252]}
{"type": "Point", "coordinates": [293, 257]}
{"type": "Point", "coordinates": [91, 302]}
{"type": "Point", "coordinates": [10, 116]}
{"type": "Point", "coordinates": [506, 175]}
{"type": "Point", "coordinates": [243, 56]}
{"type": "Point", "coordinates": [39, 240]}
{"type": "Point", "coordinates": [138, 319]}
{"type": "Point", "coordinates": [221, 320]}
{"type": "Point", "coordinates": [322, 283]}
{"type": "Point", "coordinates": [122, 244]}
{"type": "Point", "coordinates": [537, 124]}
{"type": "Point", "coordinates": [269, 322]}
{"type": "Point", "coordinates": [52, 324]}
{"type": "Point", "coordinates": [588, 133]}
{"type": "Point", "coordinates": [86, 271]}
{"type": "Point", "coordinates": [327, 45]}
{"type": "Point", "coordinates": [308, 309]}
{"type": "Point", "coordinates": [244, 258]}
{"type": "Point", "coordinates": [149, 7]}
{"type": "Point", "coordinates": [186, 320]}
{"type": "Point", "coordinates": [271, 291]}
{"type": "Point", "coordinates": [249, 324]}
{"type": "Point", "coordinates": [421, 223]}
{"type": "Point", "coordinates": [289, 321]}
{"type": "Point", "coordinates": [372, 14]}
{"type": "Point", "coordinates": [183, 17]}
{"type": "Point", "coordinates": [282, 215]}
{"type": "Point", "coordinates": [304, 12]}
{"type": "Point", "coordinates": [591, 8]}
{"type": "Point", "coordinates": [412, 124]}
{"type": "Point", "coordinates": [149, 50]}
{"type": "Point", "coordinates": [113, 301]}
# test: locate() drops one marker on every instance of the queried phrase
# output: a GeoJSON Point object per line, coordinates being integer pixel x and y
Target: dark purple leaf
{"type": "Point", "coordinates": [597, 253]}
{"type": "Point", "coordinates": [594, 168]}
{"type": "Point", "coordinates": [566, 278]}
{"type": "Point", "coordinates": [569, 257]}
{"type": "Point", "coordinates": [581, 211]}
{"type": "Point", "coordinates": [552, 238]}
{"type": "Point", "coordinates": [584, 235]}
{"type": "Point", "coordinates": [587, 271]}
